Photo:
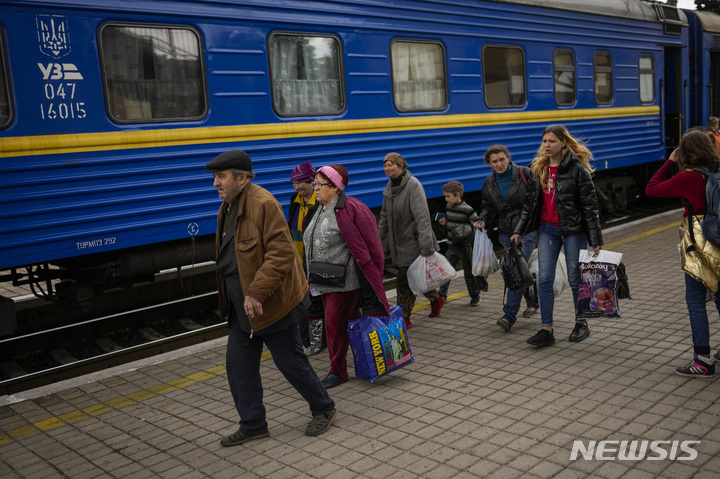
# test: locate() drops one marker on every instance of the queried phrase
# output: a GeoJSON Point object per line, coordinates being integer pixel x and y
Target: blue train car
{"type": "Point", "coordinates": [704, 65]}
{"type": "Point", "coordinates": [109, 110]}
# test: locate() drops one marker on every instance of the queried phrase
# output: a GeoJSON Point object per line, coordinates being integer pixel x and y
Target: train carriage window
{"type": "Point", "coordinates": [603, 78]}
{"type": "Point", "coordinates": [504, 76]}
{"type": "Point", "coordinates": [647, 78]}
{"type": "Point", "coordinates": [306, 75]}
{"type": "Point", "coordinates": [152, 73]}
{"type": "Point", "coordinates": [564, 74]}
{"type": "Point", "coordinates": [5, 107]}
{"type": "Point", "coordinates": [419, 78]}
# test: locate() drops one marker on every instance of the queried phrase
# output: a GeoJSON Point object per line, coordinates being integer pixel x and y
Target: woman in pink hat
{"type": "Point", "coordinates": [343, 232]}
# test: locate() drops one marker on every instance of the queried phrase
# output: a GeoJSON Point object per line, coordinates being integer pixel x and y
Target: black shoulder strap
{"type": "Point", "coordinates": [691, 213]}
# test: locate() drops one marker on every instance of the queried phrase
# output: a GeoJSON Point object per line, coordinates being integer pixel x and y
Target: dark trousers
{"type": "Point", "coordinates": [243, 371]}
{"type": "Point", "coordinates": [462, 253]}
{"type": "Point", "coordinates": [315, 312]}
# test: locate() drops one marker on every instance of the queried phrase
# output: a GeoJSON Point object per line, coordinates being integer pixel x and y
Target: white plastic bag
{"type": "Point", "coordinates": [561, 277]}
{"type": "Point", "coordinates": [428, 272]}
{"type": "Point", "coordinates": [484, 261]}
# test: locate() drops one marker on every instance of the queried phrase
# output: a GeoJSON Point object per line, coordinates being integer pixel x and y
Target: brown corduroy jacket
{"type": "Point", "coordinates": [268, 263]}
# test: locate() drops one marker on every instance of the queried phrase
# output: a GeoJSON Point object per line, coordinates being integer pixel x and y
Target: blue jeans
{"type": "Point", "coordinates": [243, 371]}
{"type": "Point", "coordinates": [512, 304]}
{"type": "Point", "coordinates": [695, 296]}
{"type": "Point", "coordinates": [549, 243]}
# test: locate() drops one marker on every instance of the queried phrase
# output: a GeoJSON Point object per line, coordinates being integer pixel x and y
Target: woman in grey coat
{"type": "Point", "coordinates": [405, 228]}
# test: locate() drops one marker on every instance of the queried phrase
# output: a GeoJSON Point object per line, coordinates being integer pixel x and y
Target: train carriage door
{"type": "Point", "coordinates": [672, 88]}
{"type": "Point", "coordinates": [714, 82]}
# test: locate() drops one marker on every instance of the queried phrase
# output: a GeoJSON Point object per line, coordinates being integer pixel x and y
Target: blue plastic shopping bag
{"type": "Point", "coordinates": [379, 344]}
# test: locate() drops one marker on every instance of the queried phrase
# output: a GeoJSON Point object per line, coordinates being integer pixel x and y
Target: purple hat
{"type": "Point", "coordinates": [304, 173]}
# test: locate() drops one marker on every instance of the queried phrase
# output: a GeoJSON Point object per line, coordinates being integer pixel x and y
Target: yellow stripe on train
{"type": "Point", "coordinates": [125, 140]}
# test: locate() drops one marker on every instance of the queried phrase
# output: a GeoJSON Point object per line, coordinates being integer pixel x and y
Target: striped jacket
{"type": "Point", "coordinates": [460, 219]}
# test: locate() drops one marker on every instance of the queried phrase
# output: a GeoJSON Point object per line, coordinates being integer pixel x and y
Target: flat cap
{"type": "Point", "coordinates": [230, 160]}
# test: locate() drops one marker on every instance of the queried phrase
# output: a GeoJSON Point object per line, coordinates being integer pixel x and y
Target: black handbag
{"type": "Point", "coordinates": [515, 271]}
{"type": "Point", "coordinates": [327, 274]}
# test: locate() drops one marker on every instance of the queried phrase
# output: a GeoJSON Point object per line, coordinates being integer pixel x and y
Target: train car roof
{"type": "Point", "coordinates": [710, 21]}
{"type": "Point", "coordinates": [635, 9]}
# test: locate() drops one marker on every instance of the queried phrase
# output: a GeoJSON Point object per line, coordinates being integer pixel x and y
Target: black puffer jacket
{"type": "Point", "coordinates": [505, 213]}
{"type": "Point", "coordinates": [576, 203]}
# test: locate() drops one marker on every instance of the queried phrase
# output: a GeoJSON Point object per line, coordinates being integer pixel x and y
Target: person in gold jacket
{"type": "Point", "coordinates": [263, 292]}
{"type": "Point", "coordinates": [700, 259]}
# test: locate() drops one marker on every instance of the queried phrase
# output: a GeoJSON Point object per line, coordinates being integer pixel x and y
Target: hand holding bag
{"type": "Point", "coordinates": [428, 272]}
{"type": "Point", "coordinates": [598, 290]}
{"type": "Point", "coordinates": [484, 261]}
{"type": "Point", "coordinates": [515, 271]}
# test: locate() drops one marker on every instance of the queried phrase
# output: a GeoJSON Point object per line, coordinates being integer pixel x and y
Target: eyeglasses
{"type": "Point", "coordinates": [317, 184]}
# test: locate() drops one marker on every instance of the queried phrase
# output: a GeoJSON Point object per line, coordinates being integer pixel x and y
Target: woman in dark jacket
{"type": "Point", "coordinates": [503, 196]}
{"type": "Point", "coordinates": [561, 204]}
{"type": "Point", "coordinates": [343, 231]}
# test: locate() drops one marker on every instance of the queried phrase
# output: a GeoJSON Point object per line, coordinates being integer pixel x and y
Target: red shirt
{"type": "Point", "coordinates": [685, 184]}
{"type": "Point", "coordinates": [549, 214]}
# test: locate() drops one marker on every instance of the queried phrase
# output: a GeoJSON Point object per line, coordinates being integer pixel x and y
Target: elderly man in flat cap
{"type": "Point", "coordinates": [263, 292]}
{"type": "Point", "coordinates": [312, 328]}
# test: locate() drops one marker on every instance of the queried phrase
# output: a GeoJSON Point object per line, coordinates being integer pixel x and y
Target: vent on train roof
{"type": "Point", "coordinates": [715, 42]}
{"type": "Point", "coordinates": [670, 17]}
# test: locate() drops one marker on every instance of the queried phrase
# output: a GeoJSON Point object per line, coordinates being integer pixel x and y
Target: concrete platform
{"type": "Point", "coordinates": [477, 401]}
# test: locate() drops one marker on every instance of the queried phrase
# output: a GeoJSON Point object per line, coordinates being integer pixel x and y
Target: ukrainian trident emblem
{"type": "Point", "coordinates": [53, 35]}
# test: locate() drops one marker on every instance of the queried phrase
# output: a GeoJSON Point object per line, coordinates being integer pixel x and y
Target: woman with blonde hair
{"type": "Point", "coordinates": [700, 259]}
{"type": "Point", "coordinates": [561, 204]}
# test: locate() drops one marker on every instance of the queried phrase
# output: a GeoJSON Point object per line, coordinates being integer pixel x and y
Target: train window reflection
{"type": "Point", "coordinates": [152, 73]}
{"type": "Point", "coordinates": [564, 74]}
{"type": "Point", "coordinates": [306, 75]}
{"type": "Point", "coordinates": [419, 78]}
{"type": "Point", "coordinates": [504, 76]}
{"type": "Point", "coordinates": [603, 78]}
{"type": "Point", "coordinates": [647, 78]}
{"type": "Point", "coordinates": [5, 110]}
